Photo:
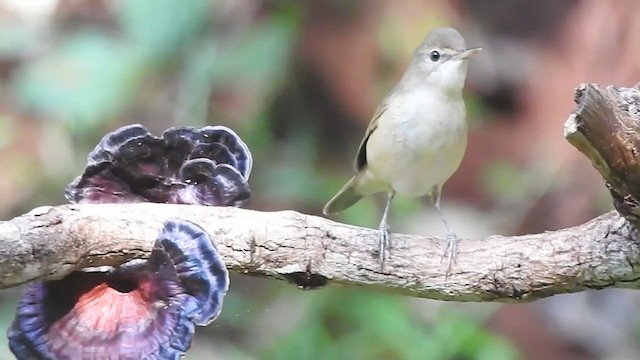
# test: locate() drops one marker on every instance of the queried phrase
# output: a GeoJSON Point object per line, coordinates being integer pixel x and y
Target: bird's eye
{"type": "Point", "coordinates": [435, 55]}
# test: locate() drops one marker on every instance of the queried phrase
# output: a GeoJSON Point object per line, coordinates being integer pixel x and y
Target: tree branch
{"type": "Point", "coordinates": [50, 242]}
{"type": "Point", "coordinates": [312, 251]}
{"type": "Point", "coordinates": [606, 128]}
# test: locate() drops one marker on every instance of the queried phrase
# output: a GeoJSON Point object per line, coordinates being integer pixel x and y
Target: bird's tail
{"type": "Point", "coordinates": [343, 199]}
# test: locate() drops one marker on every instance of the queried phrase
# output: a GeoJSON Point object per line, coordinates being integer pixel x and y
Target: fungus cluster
{"type": "Point", "coordinates": [208, 166]}
{"type": "Point", "coordinates": [143, 309]}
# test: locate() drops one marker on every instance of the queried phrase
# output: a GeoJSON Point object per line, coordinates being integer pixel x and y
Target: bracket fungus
{"type": "Point", "coordinates": [208, 166]}
{"type": "Point", "coordinates": [140, 310]}
{"type": "Point", "coordinates": [143, 309]}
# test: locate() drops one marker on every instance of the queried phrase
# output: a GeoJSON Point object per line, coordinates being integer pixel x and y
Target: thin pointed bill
{"type": "Point", "coordinates": [467, 53]}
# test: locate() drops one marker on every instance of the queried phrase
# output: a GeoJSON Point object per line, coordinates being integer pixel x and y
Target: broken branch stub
{"type": "Point", "coordinates": [606, 128]}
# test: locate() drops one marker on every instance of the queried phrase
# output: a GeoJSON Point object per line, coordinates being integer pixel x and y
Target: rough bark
{"type": "Point", "coordinates": [606, 128]}
{"type": "Point", "coordinates": [311, 251]}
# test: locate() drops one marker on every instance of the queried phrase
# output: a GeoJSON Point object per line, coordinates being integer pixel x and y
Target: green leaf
{"type": "Point", "coordinates": [261, 57]}
{"type": "Point", "coordinates": [87, 78]}
{"type": "Point", "coordinates": [160, 25]}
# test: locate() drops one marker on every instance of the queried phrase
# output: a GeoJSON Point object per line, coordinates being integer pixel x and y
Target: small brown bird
{"type": "Point", "coordinates": [417, 136]}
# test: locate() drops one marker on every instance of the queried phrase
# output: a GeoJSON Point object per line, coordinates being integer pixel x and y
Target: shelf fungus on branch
{"type": "Point", "coordinates": [208, 166]}
{"type": "Point", "coordinates": [606, 128]}
{"type": "Point", "coordinates": [143, 309]}
{"type": "Point", "coordinates": [140, 310]}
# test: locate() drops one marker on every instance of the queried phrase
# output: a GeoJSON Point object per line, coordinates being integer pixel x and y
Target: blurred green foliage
{"type": "Point", "coordinates": [159, 27]}
{"type": "Point", "coordinates": [351, 324]}
{"type": "Point", "coordinates": [87, 77]}
{"type": "Point", "coordinates": [91, 76]}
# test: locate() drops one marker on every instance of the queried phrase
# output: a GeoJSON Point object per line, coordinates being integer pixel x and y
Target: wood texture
{"type": "Point", "coordinates": [606, 128]}
{"type": "Point", "coordinates": [311, 251]}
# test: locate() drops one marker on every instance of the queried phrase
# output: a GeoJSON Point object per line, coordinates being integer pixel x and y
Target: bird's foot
{"type": "Point", "coordinates": [384, 243]}
{"type": "Point", "coordinates": [450, 252]}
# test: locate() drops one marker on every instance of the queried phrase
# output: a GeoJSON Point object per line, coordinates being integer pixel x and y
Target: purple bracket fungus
{"type": "Point", "coordinates": [208, 166]}
{"type": "Point", "coordinates": [143, 309]}
{"type": "Point", "coordinates": [140, 310]}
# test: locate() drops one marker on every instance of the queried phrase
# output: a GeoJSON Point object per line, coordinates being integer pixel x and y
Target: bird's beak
{"type": "Point", "coordinates": [467, 53]}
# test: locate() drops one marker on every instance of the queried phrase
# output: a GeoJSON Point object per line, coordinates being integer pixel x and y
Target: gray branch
{"type": "Point", "coordinates": [51, 242]}
{"type": "Point", "coordinates": [311, 251]}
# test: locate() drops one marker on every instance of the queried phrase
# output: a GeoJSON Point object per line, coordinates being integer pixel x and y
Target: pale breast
{"type": "Point", "coordinates": [419, 143]}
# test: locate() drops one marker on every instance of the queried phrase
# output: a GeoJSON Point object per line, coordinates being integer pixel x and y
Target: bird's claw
{"type": "Point", "coordinates": [450, 252]}
{"type": "Point", "coordinates": [384, 243]}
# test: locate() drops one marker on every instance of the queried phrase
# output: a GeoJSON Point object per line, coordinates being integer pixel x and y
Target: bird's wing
{"type": "Point", "coordinates": [361, 157]}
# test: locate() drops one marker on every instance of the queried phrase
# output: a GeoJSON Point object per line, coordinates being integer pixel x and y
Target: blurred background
{"type": "Point", "coordinates": [299, 80]}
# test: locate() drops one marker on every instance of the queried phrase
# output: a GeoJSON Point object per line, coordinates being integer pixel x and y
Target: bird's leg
{"type": "Point", "coordinates": [384, 239]}
{"type": "Point", "coordinates": [452, 239]}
